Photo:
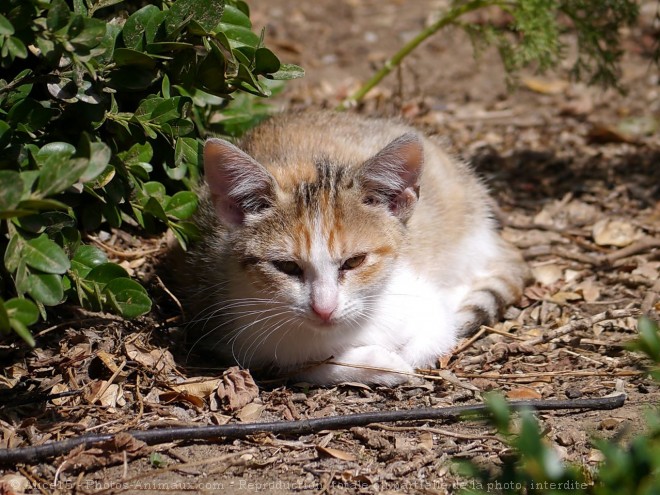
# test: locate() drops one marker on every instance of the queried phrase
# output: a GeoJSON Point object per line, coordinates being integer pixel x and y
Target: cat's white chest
{"type": "Point", "coordinates": [415, 318]}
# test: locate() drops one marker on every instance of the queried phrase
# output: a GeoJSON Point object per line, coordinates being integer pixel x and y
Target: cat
{"type": "Point", "coordinates": [334, 238]}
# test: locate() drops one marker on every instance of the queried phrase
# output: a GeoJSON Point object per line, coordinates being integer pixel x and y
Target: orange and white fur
{"type": "Point", "coordinates": [330, 238]}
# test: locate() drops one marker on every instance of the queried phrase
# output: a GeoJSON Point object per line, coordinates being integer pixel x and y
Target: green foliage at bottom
{"type": "Point", "coordinates": [534, 467]}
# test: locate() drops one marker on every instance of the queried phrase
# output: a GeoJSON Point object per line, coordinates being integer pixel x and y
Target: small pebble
{"type": "Point", "coordinates": [573, 393]}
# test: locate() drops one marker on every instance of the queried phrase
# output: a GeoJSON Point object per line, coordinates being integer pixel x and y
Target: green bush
{"type": "Point", "coordinates": [103, 107]}
{"type": "Point", "coordinates": [632, 468]}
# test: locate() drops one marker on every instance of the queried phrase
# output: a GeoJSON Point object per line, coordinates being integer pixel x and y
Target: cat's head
{"type": "Point", "coordinates": [323, 248]}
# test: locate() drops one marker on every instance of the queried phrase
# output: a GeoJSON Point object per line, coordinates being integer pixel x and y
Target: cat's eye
{"type": "Point", "coordinates": [353, 262]}
{"type": "Point", "coordinates": [289, 267]}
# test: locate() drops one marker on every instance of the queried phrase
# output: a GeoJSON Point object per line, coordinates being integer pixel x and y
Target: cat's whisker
{"type": "Point", "coordinates": [219, 325]}
{"type": "Point", "coordinates": [277, 345]}
{"type": "Point", "coordinates": [214, 310]}
{"type": "Point", "coordinates": [271, 331]}
{"type": "Point", "coordinates": [244, 328]}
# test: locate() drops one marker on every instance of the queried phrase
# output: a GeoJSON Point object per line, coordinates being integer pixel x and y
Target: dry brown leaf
{"type": "Point", "coordinates": [523, 393]}
{"type": "Point", "coordinates": [57, 389]}
{"type": "Point", "coordinates": [562, 297]}
{"type": "Point", "coordinates": [648, 269]}
{"type": "Point", "coordinates": [154, 360]}
{"type": "Point", "coordinates": [602, 133]}
{"type": "Point", "coordinates": [183, 396]}
{"type": "Point", "coordinates": [355, 478]}
{"type": "Point", "coordinates": [250, 413]}
{"type": "Point", "coordinates": [13, 484]}
{"type": "Point", "coordinates": [236, 389]}
{"type": "Point", "coordinates": [535, 292]}
{"type": "Point", "coordinates": [547, 274]}
{"type": "Point", "coordinates": [545, 86]}
{"type": "Point", "coordinates": [198, 387]}
{"type": "Point", "coordinates": [618, 233]}
{"type": "Point", "coordinates": [110, 396]}
{"type": "Point", "coordinates": [583, 105]}
{"type": "Point", "coordinates": [426, 440]}
{"type": "Point", "coordinates": [114, 451]}
{"type": "Point", "coordinates": [596, 456]}
{"type": "Point", "coordinates": [104, 365]}
{"type": "Point", "coordinates": [609, 423]}
{"type": "Point", "coordinates": [336, 453]}
{"type": "Point", "coordinates": [589, 289]}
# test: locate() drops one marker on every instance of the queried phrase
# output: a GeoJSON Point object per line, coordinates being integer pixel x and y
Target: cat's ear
{"type": "Point", "coordinates": [238, 184]}
{"type": "Point", "coordinates": [392, 176]}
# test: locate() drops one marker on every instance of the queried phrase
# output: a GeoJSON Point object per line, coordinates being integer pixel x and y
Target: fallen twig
{"type": "Point", "coordinates": [302, 427]}
{"type": "Point", "coordinates": [635, 248]}
{"type": "Point", "coordinates": [651, 297]}
{"type": "Point", "coordinates": [583, 324]}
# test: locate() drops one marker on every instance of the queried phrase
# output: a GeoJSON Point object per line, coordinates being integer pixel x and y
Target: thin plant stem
{"type": "Point", "coordinates": [449, 18]}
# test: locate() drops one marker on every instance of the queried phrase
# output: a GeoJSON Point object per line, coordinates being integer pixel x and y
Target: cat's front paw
{"type": "Point", "coordinates": [365, 364]}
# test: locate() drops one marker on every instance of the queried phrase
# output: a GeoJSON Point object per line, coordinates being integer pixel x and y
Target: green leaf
{"type": "Point", "coordinates": [6, 28]}
{"type": "Point", "coordinates": [14, 253]}
{"type": "Point", "coordinates": [178, 127]}
{"type": "Point", "coordinates": [43, 254]}
{"type": "Point", "coordinates": [189, 151]}
{"type": "Point", "coordinates": [28, 115]}
{"type": "Point", "coordinates": [182, 205]}
{"type": "Point", "coordinates": [56, 148]}
{"type": "Point", "coordinates": [185, 231]}
{"type": "Point", "coordinates": [21, 277]}
{"type": "Point", "coordinates": [11, 189]}
{"type": "Point", "coordinates": [146, 107]}
{"type": "Point", "coordinates": [4, 318]}
{"type": "Point", "coordinates": [88, 33]}
{"type": "Point", "coordinates": [211, 70]}
{"type": "Point", "coordinates": [499, 410]}
{"type": "Point", "coordinates": [154, 207]}
{"type": "Point", "coordinates": [45, 288]}
{"type": "Point", "coordinates": [99, 158]}
{"type": "Point", "coordinates": [155, 29]}
{"type": "Point", "coordinates": [239, 36]}
{"type": "Point", "coordinates": [106, 273]}
{"type": "Point", "coordinates": [288, 71]}
{"type": "Point", "coordinates": [42, 204]}
{"type": "Point", "coordinates": [16, 47]}
{"type": "Point", "coordinates": [136, 25]}
{"type": "Point", "coordinates": [50, 221]}
{"type": "Point", "coordinates": [59, 15]}
{"type": "Point", "coordinates": [5, 134]}
{"type": "Point", "coordinates": [235, 16]}
{"type": "Point", "coordinates": [127, 297]}
{"type": "Point", "coordinates": [101, 4]}
{"type": "Point", "coordinates": [133, 78]}
{"type": "Point", "coordinates": [127, 56]}
{"type": "Point", "coordinates": [58, 172]}
{"type": "Point", "coordinates": [649, 339]}
{"type": "Point", "coordinates": [23, 310]}
{"type": "Point", "coordinates": [265, 61]}
{"type": "Point", "coordinates": [155, 189]}
{"type": "Point", "coordinates": [87, 258]}
{"type": "Point", "coordinates": [169, 109]}
{"type": "Point", "coordinates": [137, 153]}
{"type": "Point", "coordinates": [207, 14]}
{"type": "Point", "coordinates": [22, 331]}
{"type": "Point", "coordinates": [168, 47]}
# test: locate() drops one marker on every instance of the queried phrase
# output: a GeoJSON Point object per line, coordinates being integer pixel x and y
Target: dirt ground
{"type": "Point", "coordinates": [576, 173]}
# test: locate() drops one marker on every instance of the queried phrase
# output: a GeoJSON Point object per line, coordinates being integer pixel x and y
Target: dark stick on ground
{"type": "Point", "coordinates": [233, 431]}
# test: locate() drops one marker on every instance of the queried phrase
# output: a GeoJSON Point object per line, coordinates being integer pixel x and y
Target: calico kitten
{"type": "Point", "coordinates": [332, 238]}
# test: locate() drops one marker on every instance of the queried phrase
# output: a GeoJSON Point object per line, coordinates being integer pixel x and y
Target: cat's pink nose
{"type": "Point", "coordinates": [324, 312]}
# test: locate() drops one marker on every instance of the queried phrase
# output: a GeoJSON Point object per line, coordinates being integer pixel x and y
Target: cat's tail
{"type": "Point", "coordinates": [500, 286]}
